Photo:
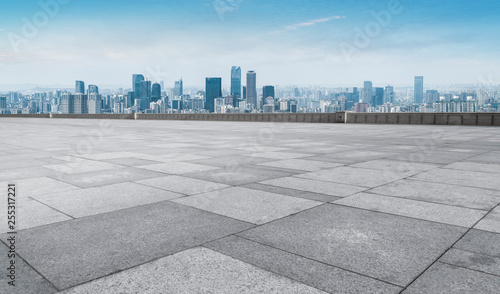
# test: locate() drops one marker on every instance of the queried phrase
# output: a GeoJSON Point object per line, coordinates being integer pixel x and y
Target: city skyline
{"type": "Point", "coordinates": [288, 42]}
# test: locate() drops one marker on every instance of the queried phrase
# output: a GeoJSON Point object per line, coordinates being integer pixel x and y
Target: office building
{"type": "Point", "coordinates": [378, 98]}
{"type": "Point", "coordinates": [431, 96]}
{"type": "Point", "coordinates": [235, 84]}
{"type": "Point", "coordinates": [251, 89]}
{"type": "Point", "coordinates": [178, 88]}
{"type": "Point", "coordinates": [367, 92]}
{"type": "Point", "coordinates": [213, 90]}
{"type": "Point", "coordinates": [93, 89]}
{"type": "Point", "coordinates": [79, 87]}
{"type": "Point", "coordinates": [389, 95]}
{"type": "Point", "coordinates": [94, 103]}
{"type": "Point", "coordinates": [156, 92]}
{"type": "Point", "coordinates": [3, 102]}
{"type": "Point", "coordinates": [419, 90]}
{"type": "Point", "coordinates": [145, 94]}
{"type": "Point", "coordinates": [136, 83]}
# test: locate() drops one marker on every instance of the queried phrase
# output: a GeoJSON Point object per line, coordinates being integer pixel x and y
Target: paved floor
{"type": "Point", "coordinates": [232, 207]}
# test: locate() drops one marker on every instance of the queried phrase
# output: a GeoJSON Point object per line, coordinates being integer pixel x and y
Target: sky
{"type": "Point", "coordinates": [287, 42]}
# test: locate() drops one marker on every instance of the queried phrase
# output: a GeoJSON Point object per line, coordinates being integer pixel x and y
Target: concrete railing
{"type": "Point", "coordinates": [466, 119]}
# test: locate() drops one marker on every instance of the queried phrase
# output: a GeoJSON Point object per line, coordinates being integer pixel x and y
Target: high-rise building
{"type": "Point", "coordinates": [213, 90]}
{"type": "Point", "coordinates": [80, 104]}
{"type": "Point", "coordinates": [95, 103]}
{"type": "Point", "coordinates": [267, 91]}
{"type": "Point", "coordinates": [367, 92]}
{"type": "Point", "coordinates": [378, 98]}
{"type": "Point", "coordinates": [3, 102]}
{"type": "Point", "coordinates": [93, 89]}
{"type": "Point", "coordinates": [156, 92]}
{"type": "Point", "coordinates": [145, 94]}
{"type": "Point", "coordinates": [244, 93]}
{"type": "Point", "coordinates": [79, 87]}
{"type": "Point", "coordinates": [136, 83]}
{"type": "Point", "coordinates": [431, 96]}
{"type": "Point", "coordinates": [178, 88]}
{"type": "Point", "coordinates": [389, 94]}
{"type": "Point", "coordinates": [236, 84]}
{"type": "Point", "coordinates": [252, 89]}
{"type": "Point", "coordinates": [419, 89]}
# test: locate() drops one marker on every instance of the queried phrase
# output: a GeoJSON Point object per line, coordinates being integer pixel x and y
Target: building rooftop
{"type": "Point", "coordinates": [131, 206]}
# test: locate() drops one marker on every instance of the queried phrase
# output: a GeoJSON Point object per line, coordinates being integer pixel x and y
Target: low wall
{"type": "Point", "coordinates": [465, 119]}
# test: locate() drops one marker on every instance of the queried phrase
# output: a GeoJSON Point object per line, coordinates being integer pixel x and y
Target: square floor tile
{"type": "Point", "coordinates": [97, 200]}
{"type": "Point", "coordinates": [239, 175]}
{"type": "Point", "coordinates": [292, 192]}
{"type": "Point", "coordinates": [481, 242]}
{"type": "Point", "coordinates": [249, 205]}
{"type": "Point", "coordinates": [197, 270]}
{"type": "Point", "coordinates": [440, 213]}
{"type": "Point", "coordinates": [463, 178]}
{"type": "Point", "coordinates": [475, 166]}
{"type": "Point", "coordinates": [39, 186]}
{"type": "Point", "coordinates": [390, 248]}
{"type": "Point", "coordinates": [130, 161]}
{"type": "Point", "coordinates": [301, 164]}
{"type": "Point", "coordinates": [82, 166]}
{"type": "Point", "coordinates": [491, 222]}
{"type": "Point", "coordinates": [177, 167]}
{"type": "Point", "coordinates": [183, 185]}
{"type": "Point", "coordinates": [355, 176]}
{"type": "Point", "coordinates": [471, 260]}
{"type": "Point", "coordinates": [404, 167]}
{"type": "Point", "coordinates": [322, 187]}
{"type": "Point", "coordinates": [66, 252]}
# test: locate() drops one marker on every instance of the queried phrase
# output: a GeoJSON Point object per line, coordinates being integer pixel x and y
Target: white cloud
{"type": "Point", "coordinates": [306, 24]}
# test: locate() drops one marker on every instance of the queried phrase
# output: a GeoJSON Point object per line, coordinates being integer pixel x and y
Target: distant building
{"type": "Point", "coordinates": [367, 92]}
{"type": "Point", "coordinates": [419, 90]}
{"type": "Point", "coordinates": [156, 92]}
{"type": "Point", "coordinates": [93, 89]}
{"type": "Point", "coordinates": [213, 90]}
{"type": "Point", "coordinates": [236, 84]}
{"type": "Point", "coordinates": [252, 89]}
{"type": "Point", "coordinates": [79, 87]}
{"type": "Point", "coordinates": [178, 88]}
{"type": "Point", "coordinates": [432, 96]}
{"type": "Point", "coordinates": [378, 98]}
{"type": "Point", "coordinates": [361, 107]}
{"type": "Point", "coordinates": [3, 102]}
{"type": "Point", "coordinates": [267, 91]}
{"type": "Point", "coordinates": [94, 103]}
{"type": "Point", "coordinates": [389, 95]}
{"type": "Point", "coordinates": [145, 94]}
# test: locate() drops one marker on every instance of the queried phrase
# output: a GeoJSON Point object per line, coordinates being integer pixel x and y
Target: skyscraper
{"type": "Point", "coordinates": [389, 94]}
{"type": "Point", "coordinates": [145, 94]}
{"type": "Point", "coordinates": [79, 87]}
{"type": "Point", "coordinates": [93, 89]}
{"type": "Point", "coordinates": [235, 84]}
{"type": "Point", "coordinates": [252, 88]}
{"type": "Point", "coordinates": [213, 90]}
{"type": "Point", "coordinates": [178, 88]}
{"type": "Point", "coordinates": [156, 92]}
{"type": "Point", "coordinates": [267, 91]}
{"type": "Point", "coordinates": [378, 98]}
{"type": "Point", "coordinates": [136, 84]}
{"type": "Point", "coordinates": [244, 93]}
{"type": "Point", "coordinates": [367, 92]}
{"type": "Point", "coordinates": [419, 89]}
{"type": "Point", "coordinates": [3, 102]}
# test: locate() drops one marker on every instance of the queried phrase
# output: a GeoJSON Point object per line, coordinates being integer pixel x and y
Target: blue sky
{"type": "Point", "coordinates": [286, 42]}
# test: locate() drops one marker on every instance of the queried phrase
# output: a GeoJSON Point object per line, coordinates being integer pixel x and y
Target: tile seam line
{"type": "Point", "coordinates": [45, 204]}
{"type": "Point", "coordinates": [33, 268]}
{"type": "Point", "coordinates": [308, 258]}
{"type": "Point", "coordinates": [446, 251]}
{"type": "Point", "coordinates": [474, 270]}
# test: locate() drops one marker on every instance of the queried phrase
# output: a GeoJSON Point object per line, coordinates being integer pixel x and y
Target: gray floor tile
{"type": "Point", "coordinates": [459, 177]}
{"type": "Point", "coordinates": [292, 192]}
{"type": "Point", "coordinates": [471, 260]}
{"type": "Point", "coordinates": [391, 248]}
{"type": "Point", "coordinates": [301, 164]}
{"type": "Point", "coordinates": [279, 155]}
{"type": "Point", "coordinates": [27, 280]}
{"type": "Point", "coordinates": [183, 185]}
{"type": "Point", "coordinates": [355, 176]}
{"type": "Point", "coordinates": [480, 242]}
{"type": "Point", "coordinates": [198, 270]}
{"type": "Point", "coordinates": [404, 167]}
{"type": "Point", "coordinates": [475, 166]}
{"type": "Point", "coordinates": [468, 197]}
{"type": "Point", "coordinates": [131, 161]}
{"type": "Point", "coordinates": [307, 271]}
{"type": "Point", "coordinates": [108, 177]}
{"type": "Point", "coordinates": [39, 186]}
{"type": "Point", "coordinates": [178, 168]}
{"type": "Point", "coordinates": [491, 222]}
{"type": "Point", "coordinates": [66, 253]}
{"type": "Point", "coordinates": [310, 185]}
{"type": "Point", "coordinates": [232, 161]}
{"type": "Point", "coordinates": [249, 205]}
{"type": "Point", "coordinates": [103, 199]}
{"type": "Point", "coordinates": [440, 213]}
{"type": "Point", "coordinates": [444, 278]}
{"type": "Point", "coordinates": [239, 175]}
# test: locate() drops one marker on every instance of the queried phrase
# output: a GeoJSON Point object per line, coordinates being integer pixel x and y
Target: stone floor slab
{"type": "Point", "coordinates": [491, 222]}
{"type": "Point", "coordinates": [292, 192]}
{"type": "Point", "coordinates": [66, 253]}
{"type": "Point", "coordinates": [445, 278]}
{"type": "Point", "coordinates": [463, 178]}
{"type": "Point", "coordinates": [301, 164]}
{"type": "Point", "coordinates": [445, 214]}
{"type": "Point", "coordinates": [298, 268]}
{"type": "Point", "coordinates": [314, 186]}
{"type": "Point", "coordinates": [240, 175]}
{"type": "Point", "coordinates": [91, 201]}
{"type": "Point", "coordinates": [390, 248]}
{"type": "Point", "coordinates": [475, 166]}
{"type": "Point", "coordinates": [178, 168]}
{"type": "Point", "coordinates": [480, 242]}
{"type": "Point", "coordinates": [468, 197]}
{"type": "Point", "coordinates": [405, 167]}
{"type": "Point", "coordinates": [197, 270]}
{"type": "Point", "coordinates": [474, 261]}
{"type": "Point", "coordinates": [249, 205]}
{"type": "Point", "coordinates": [131, 161]}
{"type": "Point", "coordinates": [183, 185]}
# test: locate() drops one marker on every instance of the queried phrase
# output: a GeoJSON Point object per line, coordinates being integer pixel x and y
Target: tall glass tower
{"type": "Point", "coordinates": [213, 90]}
{"type": "Point", "coordinates": [145, 94]}
{"type": "Point", "coordinates": [235, 84]}
{"type": "Point", "coordinates": [178, 88]}
{"type": "Point", "coordinates": [419, 89]}
{"type": "Point", "coordinates": [136, 84]}
{"type": "Point", "coordinates": [252, 88]}
{"type": "Point", "coordinates": [79, 87]}
{"type": "Point", "coordinates": [156, 92]}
